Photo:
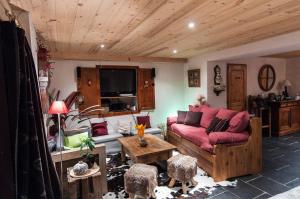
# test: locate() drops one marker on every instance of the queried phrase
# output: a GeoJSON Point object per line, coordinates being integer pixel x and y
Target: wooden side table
{"type": "Point", "coordinates": [88, 190]}
{"type": "Point", "coordinates": [71, 157]}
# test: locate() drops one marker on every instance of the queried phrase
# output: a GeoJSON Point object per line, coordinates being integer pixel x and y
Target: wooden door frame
{"type": "Point", "coordinates": [228, 85]}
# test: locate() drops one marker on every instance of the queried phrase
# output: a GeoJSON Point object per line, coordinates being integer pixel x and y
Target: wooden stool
{"type": "Point", "coordinates": [182, 168]}
{"type": "Point", "coordinates": [88, 192]}
{"type": "Point", "coordinates": [140, 181]}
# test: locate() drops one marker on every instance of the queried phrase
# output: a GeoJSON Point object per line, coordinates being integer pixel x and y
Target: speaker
{"type": "Point", "coordinates": [78, 72]}
{"type": "Point", "coordinates": [153, 73]}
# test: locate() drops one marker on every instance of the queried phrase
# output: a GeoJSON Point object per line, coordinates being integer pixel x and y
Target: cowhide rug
{"type": "Point", "coordinates": [115, 182]}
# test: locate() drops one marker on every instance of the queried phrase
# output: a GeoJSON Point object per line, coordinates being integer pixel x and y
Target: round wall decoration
{"type": "Point", "coordinates": [266, 77]}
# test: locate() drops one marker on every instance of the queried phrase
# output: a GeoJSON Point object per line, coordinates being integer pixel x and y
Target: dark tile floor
{"type": "Point", "coordinates": [281, 171]}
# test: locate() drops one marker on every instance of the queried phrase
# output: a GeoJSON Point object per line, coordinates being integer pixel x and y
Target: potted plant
{"type": "Point", "coordinates": [86, 148]}
{"type": "Point", "coordinates": [162, 127]}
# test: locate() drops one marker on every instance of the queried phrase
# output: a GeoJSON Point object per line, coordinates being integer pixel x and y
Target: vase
{"type": "Point", "coordinates": [142, 142]}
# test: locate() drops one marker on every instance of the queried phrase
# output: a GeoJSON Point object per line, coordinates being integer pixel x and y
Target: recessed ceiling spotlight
{"type": "Point", "coordinates": [102, 46]}
{"type": "Point", "coordinates": [191, 25]}
{"type": "Point", "coordinates": [174, 51]}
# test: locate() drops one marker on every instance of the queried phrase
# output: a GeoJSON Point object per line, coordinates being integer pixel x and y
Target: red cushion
{"type": "Point", "coordinates": [207, 116]}
{"type": "Point", "coordinates": [226, 114]}
{"type": "Point", "coordinates": [99, 129]}
{"type": "Point", "coordinates": [144, 120]}
{"type": "Point", "coordinates": [227, 137]}
{"type": "Point", "coordinates": [239, 122]}
{"type": "Point", "coordinates": [197, 135]}
{"type": "Point", "coordinates": [196, 108]}
{"type": "Point", "coordinates": [181, 129]}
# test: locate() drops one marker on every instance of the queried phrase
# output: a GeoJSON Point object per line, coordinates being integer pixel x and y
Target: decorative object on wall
{"type": "Point", "coordinates": [218, 81]}
{"type": "Point", "coordinates": [194, 78]}
{"type": "Point", "coordinates": [266, 77]}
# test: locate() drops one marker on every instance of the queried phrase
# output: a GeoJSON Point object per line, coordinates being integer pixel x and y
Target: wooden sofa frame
{"type": "Point", "coordinates": [226, 161]}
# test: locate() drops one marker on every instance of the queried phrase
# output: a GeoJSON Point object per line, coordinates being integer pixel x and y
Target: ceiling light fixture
{"type": "Point", "coordinates": [191, 25]}
{"type": "Point", "coordinates": [174, 51]}
{"type": "Point", "coordinates": [102, 46]}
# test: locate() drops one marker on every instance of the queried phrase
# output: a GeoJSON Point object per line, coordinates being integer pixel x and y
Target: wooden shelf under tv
{"type": "Point", "coordinates": [109, 114]}
{"type": "Point", "coordinates": [118, 97]}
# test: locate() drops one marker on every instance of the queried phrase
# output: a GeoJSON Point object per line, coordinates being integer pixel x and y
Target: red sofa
{"type": "Point", "coordinates": [221, 154]}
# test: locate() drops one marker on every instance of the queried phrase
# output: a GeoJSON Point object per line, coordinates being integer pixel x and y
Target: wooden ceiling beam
{"type": "Point", "coordinates": [285, 55]}
{"type": "Point", "coordinates": [109, 57]}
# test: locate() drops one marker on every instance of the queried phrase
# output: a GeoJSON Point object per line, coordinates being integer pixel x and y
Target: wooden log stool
{"type": "Point", "coordinates": [140, 181]}
{"type": "Point", "coordinates": [89, 190]}
{"type": "Point", "coordinates": [183, 169]}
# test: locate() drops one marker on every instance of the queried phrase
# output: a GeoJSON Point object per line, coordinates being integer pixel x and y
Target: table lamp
{"type": "Point", "coordinates": [59, 107]}
{"type": "Point", "coordinates": [286, 83]}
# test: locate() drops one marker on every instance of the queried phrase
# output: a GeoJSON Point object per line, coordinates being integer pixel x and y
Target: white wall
{"type": "Point", "coordinates": [283, 43]}
{"type": "Point", "coordinates": [191, 94]}
{"type": "Point", "coordinates": [293, 74]}
{"type": "Point", "coordinates": [253, 66]}
{"type": "Point", "coordinates": [169, 88]}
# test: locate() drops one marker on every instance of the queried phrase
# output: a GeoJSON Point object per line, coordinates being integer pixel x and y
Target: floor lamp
{"type": "Point", "coordinates": [59, 107]}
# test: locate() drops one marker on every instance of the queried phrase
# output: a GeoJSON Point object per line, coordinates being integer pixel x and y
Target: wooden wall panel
{"type": "Point", "coordinates": [146, 89]}
{"type": "Point", "coordinates": [88, 85]}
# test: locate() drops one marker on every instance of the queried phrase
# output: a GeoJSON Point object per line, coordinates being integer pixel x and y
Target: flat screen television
{"type": "Point", "coordinates": [114, 82]}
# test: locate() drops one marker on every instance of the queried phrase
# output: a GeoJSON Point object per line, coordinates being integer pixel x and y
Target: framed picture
{"type": "Point", "coordinates": [194, 78]}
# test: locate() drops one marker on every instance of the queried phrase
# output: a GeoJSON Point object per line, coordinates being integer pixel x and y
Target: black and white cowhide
{"type": "Point", "coordinates": [115, 182]}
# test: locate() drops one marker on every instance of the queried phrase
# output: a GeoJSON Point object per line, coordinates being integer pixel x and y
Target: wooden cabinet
{"type": "Point", "coordinates": [295, 117]}
{"type": "Point", "coordinates": [285, 117]}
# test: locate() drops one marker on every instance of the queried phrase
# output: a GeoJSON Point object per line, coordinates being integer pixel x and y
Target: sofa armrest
{"type": "Point", "coordinates": [171, 120]}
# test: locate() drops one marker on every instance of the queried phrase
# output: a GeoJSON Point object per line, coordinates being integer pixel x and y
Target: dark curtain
{"type": "Point", "coordinates": [26, 168]}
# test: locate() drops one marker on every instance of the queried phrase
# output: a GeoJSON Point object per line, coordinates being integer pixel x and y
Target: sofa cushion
{"type": "Point", "coordinates": [181, 129]}
{"type": "Point", "coordinates": [193, 118]}
{"type": "Point", "coordinates": [213, 124]}
{"type": "Point", "coordinates": [222, 125]}
{"type": "Point", "coordinates": [227, 137]}
{"type": "Point", "coordinates": [226, 113]}
{"type": "Point", "coordinates": [196, 108]}
{"type": "Point", "coordinates": [181, 116]}
{"type": "Point", "coordinates": [239, 122]}
{"type": "Point", "coordinates": [74, 141]}
{"type": "Point", "coordinates": [207, 116]}
{"type": "Point", "coordinates": [196, 135]}
{"type": "Point", "coordinates": [107, 138]}
{"type": "Point", "coordinates": [144, 120]}
{"type": "Point", "coordinates": [99, 129]}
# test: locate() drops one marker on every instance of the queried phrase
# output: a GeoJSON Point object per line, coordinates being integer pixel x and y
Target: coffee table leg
{"type": "Point", "coordinates": [123, 155]}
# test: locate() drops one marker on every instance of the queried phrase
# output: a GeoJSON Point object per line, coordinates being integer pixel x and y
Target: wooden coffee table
{"type": "Point", "coordinates": [156, 150]}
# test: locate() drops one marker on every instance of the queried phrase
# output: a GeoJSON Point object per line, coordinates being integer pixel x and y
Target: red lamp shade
{"type": "Point", "coordinates": [58, 107]}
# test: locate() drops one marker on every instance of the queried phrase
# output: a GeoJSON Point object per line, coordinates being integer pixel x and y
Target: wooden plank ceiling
{"type": "Point", "coordinates": [286, 55]}
{"type": "Point", "coordinates": [153, 28]}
